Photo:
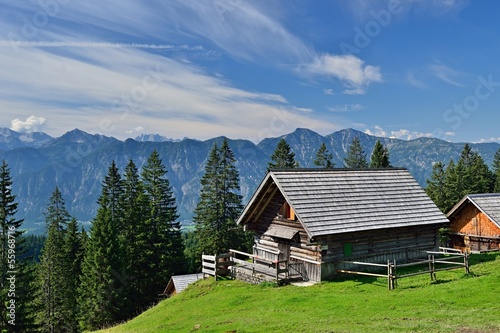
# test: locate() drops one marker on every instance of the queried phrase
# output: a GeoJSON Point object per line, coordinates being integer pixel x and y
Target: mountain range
{"type": "Point", "coordinates": [77, 162]}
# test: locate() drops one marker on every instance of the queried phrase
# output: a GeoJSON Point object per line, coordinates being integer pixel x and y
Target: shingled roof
{"type": "Point", "coordinates": [178, 283]}
{"type": "Point", "coordinates": [337, 201]}
{"type": "Point", "coordinates": [488, 203]}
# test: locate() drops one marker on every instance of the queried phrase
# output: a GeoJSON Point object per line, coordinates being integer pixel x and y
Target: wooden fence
{"type": "Point", "coordinates": [433, 265]}
{"type": "Point", "coordinates": [260, 265]}
{"type": "Point", "coordinates": [216, 265]}
{"type": "Point", "coordinates": [221, 265]}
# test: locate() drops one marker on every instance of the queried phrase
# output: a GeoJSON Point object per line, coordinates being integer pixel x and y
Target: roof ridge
{"type": "Point", "coordinates": [336, 169]}
{"type": "Point", "coordinates": [482, 195]}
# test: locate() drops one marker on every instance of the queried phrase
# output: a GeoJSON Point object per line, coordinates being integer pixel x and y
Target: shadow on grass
{"type": "Point", "coordinates": [478, 258]}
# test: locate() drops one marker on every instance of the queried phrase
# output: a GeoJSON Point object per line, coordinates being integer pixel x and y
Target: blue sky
{"type": "Point", "coordinates": [252, 69]}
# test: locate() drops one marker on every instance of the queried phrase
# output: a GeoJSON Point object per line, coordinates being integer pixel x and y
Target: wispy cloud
{"type": "Point", "coordinates": [411, 79]}
{"type": "Point", "coordinates": [346, 108]}
{"type": "Point", "coordinates": [92, 62]}
{"type": "Point", "coordinates": [46, 44]}
{"type": "Point", "coordinates": [361, 10]}
{"type": "Point", "coordinates": [446, 74]}
{"type": "Point", "coordinates": [112, 90]}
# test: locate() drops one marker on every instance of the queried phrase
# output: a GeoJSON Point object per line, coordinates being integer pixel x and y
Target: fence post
{"type": "Point", "coordinates": [216, 261]}
{"type": "Point", "coordinates": [466, 262]}
{"type": "Point", "coordinates": [390, 278]}
{"type": "Point", "coordinates": [395, 274]}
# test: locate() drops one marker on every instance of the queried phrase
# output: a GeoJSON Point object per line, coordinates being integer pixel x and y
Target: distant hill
{"type": "Point", "coordinates": [77, 162]}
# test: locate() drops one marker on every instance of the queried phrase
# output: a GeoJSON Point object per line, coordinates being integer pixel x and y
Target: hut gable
{"type": "Point", "coordinates": [475, 223]}
{"type": "Point", "coordinates": [329, 202]}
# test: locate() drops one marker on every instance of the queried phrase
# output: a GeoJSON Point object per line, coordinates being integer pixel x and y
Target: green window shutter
{"type": "Point", "coordinates": [347, 249]}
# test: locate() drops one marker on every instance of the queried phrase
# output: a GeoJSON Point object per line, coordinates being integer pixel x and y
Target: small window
{"type": "Point", "coordinates": [347, 249]}
{"type": "Point", "coordinates": [287, 212]}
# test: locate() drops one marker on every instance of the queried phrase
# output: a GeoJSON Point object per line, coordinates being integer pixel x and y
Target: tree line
{"type": "Point", "coordinates": [449, 183]}
{"type": "Point", "coordinates": [86, 280]}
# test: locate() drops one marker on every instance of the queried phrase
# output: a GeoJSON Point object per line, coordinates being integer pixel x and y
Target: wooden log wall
{"type": "Point", "coordinates": [472, 221]}
{"type": "Point", "coordinates": [371, 243]}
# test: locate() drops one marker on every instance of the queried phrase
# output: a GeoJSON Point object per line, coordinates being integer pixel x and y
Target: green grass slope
{"type": "Point", "coordinates": [456, 302]}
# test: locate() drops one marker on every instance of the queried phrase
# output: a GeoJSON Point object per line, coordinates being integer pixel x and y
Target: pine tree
{"type": "Point", "coordinates": [436, 188]}
{"type": "Point", "coordinates": [324, 158]}
{"type": "Point", "coordinates": [54, 316]}
{"type": "Point", "coordinates": [356, 157]}
{"type": "Point", "coordinates": [166, 249]}
{"type": "Point", "coordinates": [219, 205]}
{"type": "Point", "coordinates": [13, 258]}
{"type": "Point", "coordinates": [103, 279]}
{"type": "Point", "coordinates": [283, 157]}
{"type": "Point", "coordinates": [380, 156]}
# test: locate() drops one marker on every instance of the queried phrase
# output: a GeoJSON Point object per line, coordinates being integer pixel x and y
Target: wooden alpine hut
{"type": "Point", "coordinates": [314, 218]}
{"type": "Point", "coordinates": [475, 223]}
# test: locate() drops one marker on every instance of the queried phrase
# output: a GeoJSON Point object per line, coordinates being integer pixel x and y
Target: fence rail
{"type": "Point", "coordinates": [261, 265]}
{"type": "Point", "coordinates": [221, 265]}
{"type": "Point", "coordinates": [216, 265]}
{"type": "Point", "coordinates": [431, 261]}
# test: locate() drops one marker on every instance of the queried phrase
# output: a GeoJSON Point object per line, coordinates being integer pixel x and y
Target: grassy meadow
{"type": "Point", "coordinates": [456, 302]}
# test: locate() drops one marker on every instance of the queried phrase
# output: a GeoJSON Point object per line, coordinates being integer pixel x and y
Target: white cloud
{"type": "Point", "coordinates": [137, 129]}
{"type": "Point", "coordinates": [31, 124]}
{"type": "Point", "coordinates": [346, 108]}
{"type": "Point", "coordinates": [492, 139]}
{"type": "Point", "coordinates": [328, 92]}
{"type": "Point", "coordinates": [378, 131]}
{"type": "Point", "coordinates": [347, 68]}
{"type": "Point", "coordinates": [403, 134]}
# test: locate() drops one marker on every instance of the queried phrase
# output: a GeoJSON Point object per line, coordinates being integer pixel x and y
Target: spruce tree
{"type": "Point", "coordinates": [73, 250]}
{"type": "Point", "coordinates": [53, 280]}
{"type": "Point", "coordinates": [14, 262]}
{"type": "Point", "coordinates": [380, 156]}
{"type": "Point", "coordinates": [324, 158]}
{"type": "Point", "coordinates": [219, 205]}
{"type": "Point", "coordinates": [283, 157]}
{"type": "Point", "coordinates": [134, 239]}
{"type": "Point", "coordinates": [496, 171]}
{"type": "Point", "coordinates": [356, 157]}
{"type": "Point", "coordinates": [103, 279]}
{"type": "Point", "coordinates": [436, 189]}
{"type": "Point", "coordinates": [165, 254]}
{"type": "Point", "coordinates": [453, 185]}
{"type": "Point", "coordinates": [475, 174]}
